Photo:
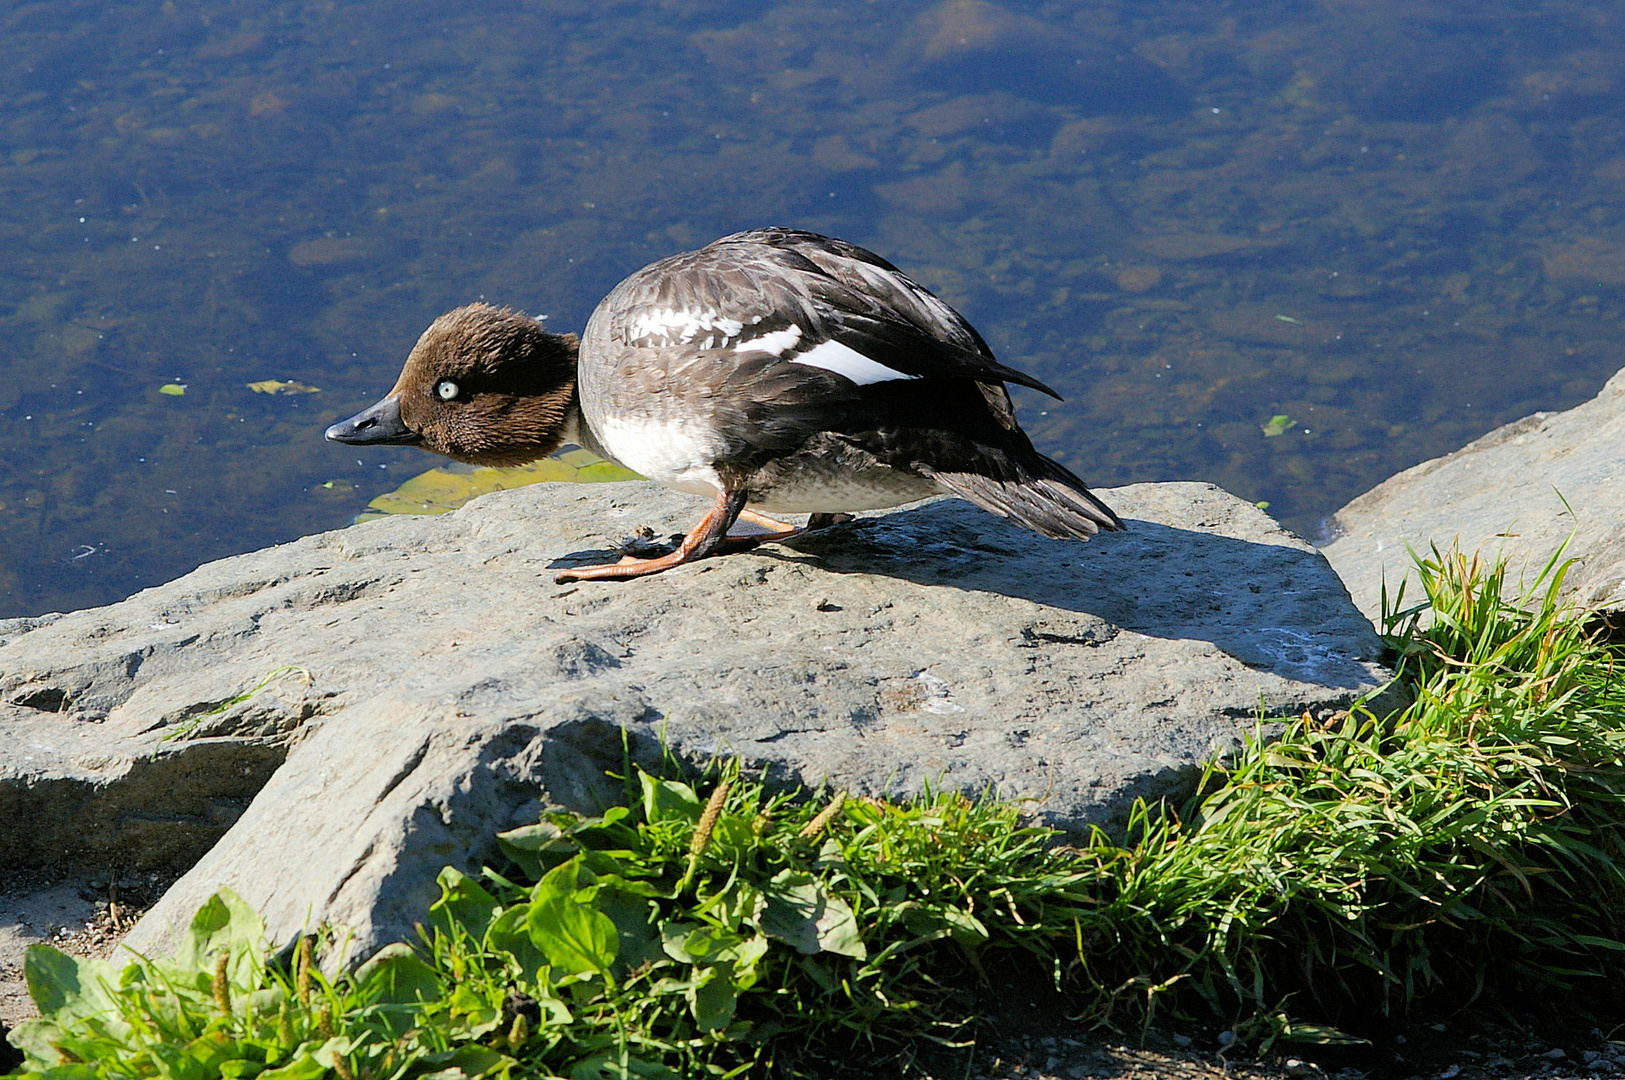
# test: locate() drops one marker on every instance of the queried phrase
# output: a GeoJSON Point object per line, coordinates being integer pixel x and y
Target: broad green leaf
{"type": "Point", "coordinates": [473, 1005]}
{"type": "Point", "coordinates": [838, 930]}
{"type": "Point", "coordinates": [674, 936]}
{"type": "Point", "coordinates": [713, 998]}
{"type": "Point", "coordinates": [738, 905]}
{"type": "Point", "coordinates": [554, 1011]}
{"type": "Point", "coordinates": [67, 987]}
{"type": "Point", "coordinates": [607, 1066]}
{"type": "Point", "coordinates": [468, 1061]}
{"type": "Point", "coordinates": [225, 923]}
{"type": "Point", "coordinates": [330, 1051]}
{"type": "Point", "coordinates": [74, 1071]}
{"type": "Point", "coordinates": [803, 915]}
{"type": "Point", "coordinates": [632, 914]}
{"type": "Point", "coordinates": [733, 832]}
{"type": "Point", "coordinates": [176, 1063]}
{"type": "Point", "coordinates": [529, 845]}
{"type": "Point", "coordinates": [574, 935]}
{"type": "Point", "coordinates": [609, 832]}
{"type": "Point", "coordinates": [37, 1040]}
{"type": "Point", "coordinates": [664, 799]}
{"type": "Point", "coordinates": [510, 933]}
{"type": "Point", "coordinates": [596, 865]}
{"type": "Point", "coordinates": [704, 945]}
{"type": "Point", "coordinates": [398, 976]}
{"type": "Point", "coordinates": [204, 1056]}
{"type": "Point", "coordinates": [266, 1002]}
{"type": "Point", "coordinates": [462, 902]}
{"type": "Point", "coordinates": [962, 926]}
{"type": "Point", "coordinates": [794, 903]}
{"type": "Point", "coordinates": [744, 957]}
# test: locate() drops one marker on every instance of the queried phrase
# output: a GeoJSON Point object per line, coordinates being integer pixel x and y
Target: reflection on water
{"type": "Point", "coordinates": [1394, 224]}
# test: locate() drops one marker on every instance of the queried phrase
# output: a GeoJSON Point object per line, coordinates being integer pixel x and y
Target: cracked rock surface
{"type": "Point", "coordinates": [323, 725]}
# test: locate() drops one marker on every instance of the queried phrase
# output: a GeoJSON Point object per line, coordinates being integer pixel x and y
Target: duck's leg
{"type": "Point", "coordinates": [704, 539]}
{"type": "Point", "coordinates": [778, 530]}
{"type": "Point", "coordinates": [772, 525]}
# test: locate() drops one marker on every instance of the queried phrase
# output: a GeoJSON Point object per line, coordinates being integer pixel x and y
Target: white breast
{"type": "Point", "coordinates": [669, 453]}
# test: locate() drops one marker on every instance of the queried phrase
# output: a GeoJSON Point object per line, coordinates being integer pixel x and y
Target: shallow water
{"type": "Point", "coordinates": [1288, 247]}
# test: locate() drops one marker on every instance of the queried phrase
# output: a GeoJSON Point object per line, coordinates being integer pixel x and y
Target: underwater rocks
{"type": "Point", "coordinates": [386, 697]}
{"type": "Point", "coordinates": [1519, 491]}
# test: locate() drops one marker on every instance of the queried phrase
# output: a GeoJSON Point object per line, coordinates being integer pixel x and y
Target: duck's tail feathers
{"type": "Point", "coordinates": [1047, 499]}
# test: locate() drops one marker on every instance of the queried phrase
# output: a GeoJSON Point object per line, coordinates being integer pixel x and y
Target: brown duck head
{"type": "Point", "coordinates": [484, 385]}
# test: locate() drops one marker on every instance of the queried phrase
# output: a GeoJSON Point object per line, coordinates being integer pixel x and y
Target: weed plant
{"type": "Point", "coordinates": [674, 936]}
{"type": "Point", "coordinates": [1467, 844]}
{"type": "Point", "coordinates": [1470, 842]}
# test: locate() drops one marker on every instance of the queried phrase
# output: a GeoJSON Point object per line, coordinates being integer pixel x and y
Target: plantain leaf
{"type": "Point", "coordinates": [462, 902]}
{"type": "Point", "coordinates": [803, 915]}
{"type": "Point", "coordinates": [713, 997]}
{"type": "Point", "coordinates": [398, 976]}
{"type": "Point", "coordinates": [567, 926]}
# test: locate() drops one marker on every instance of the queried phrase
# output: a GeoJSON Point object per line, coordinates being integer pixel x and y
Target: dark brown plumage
{"type": "Point", "coordinates": [483, 385]}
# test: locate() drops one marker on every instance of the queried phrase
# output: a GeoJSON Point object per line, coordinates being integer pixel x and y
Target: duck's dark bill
{"type": "Point", "coordinates": [377, 425]}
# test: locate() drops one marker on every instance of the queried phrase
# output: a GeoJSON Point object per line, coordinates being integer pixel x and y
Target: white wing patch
{"type": "Point", "coordinates": [848, 362]}
{"type": "Point", "coordinates": [776, 342]}
{"type": "Point", "coordinates": [665, 327]}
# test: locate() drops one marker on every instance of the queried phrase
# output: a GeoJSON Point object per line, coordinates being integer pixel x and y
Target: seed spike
{"type": "Point", "coordinates": [819, 823]}
{"type": "Point", "coordinates": [301, 979]}
{"type": "Point", "coordinates": [221, 985]}
{"type": "Point", "coordinates": [708, 819]}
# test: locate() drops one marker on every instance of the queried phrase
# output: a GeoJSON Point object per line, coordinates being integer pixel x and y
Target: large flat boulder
{"type": "Point", "coordinates": [1518, 492]}
{"type": "Point", "coordinates": [389, 695]}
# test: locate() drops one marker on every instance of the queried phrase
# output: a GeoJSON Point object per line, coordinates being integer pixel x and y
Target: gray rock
{"type": "Point", "coordinates": [33, 916]}
{"type": "Point", "coordinates": [428, 684]}
{"type": "Point", "coordinates": [1519, 491]}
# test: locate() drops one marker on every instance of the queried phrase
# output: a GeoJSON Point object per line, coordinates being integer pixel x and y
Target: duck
{"type": "Point", "coordinates": [774, 371]}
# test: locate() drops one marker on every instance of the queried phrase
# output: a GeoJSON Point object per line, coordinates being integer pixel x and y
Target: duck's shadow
{"type": "Point", "coordinates": [1274, 607]}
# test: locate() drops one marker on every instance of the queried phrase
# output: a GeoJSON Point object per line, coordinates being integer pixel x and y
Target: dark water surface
{"type": "Point", "coordinates": [1376, 228]}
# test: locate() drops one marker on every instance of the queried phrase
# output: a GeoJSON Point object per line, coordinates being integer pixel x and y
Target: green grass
{"type": "Point", "coordinates": [1469, 844]}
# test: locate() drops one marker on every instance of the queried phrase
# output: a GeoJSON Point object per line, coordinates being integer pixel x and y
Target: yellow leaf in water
{"type": "Point", "coordinates": [275, 386]}
{"type": "Point", "coordinates": [1277, 425]}
{"type": "Point", "coordinates": [173, 389]}
{"type": "Point", "coordinates": [450, 486]}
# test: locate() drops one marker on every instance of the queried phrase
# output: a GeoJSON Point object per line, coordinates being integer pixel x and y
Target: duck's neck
{"type": "Point", "coordinates": [578, 431]}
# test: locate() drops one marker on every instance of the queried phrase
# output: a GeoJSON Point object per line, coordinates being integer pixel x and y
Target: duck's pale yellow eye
{"type": "Point", "coordinates": [445, 389]}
